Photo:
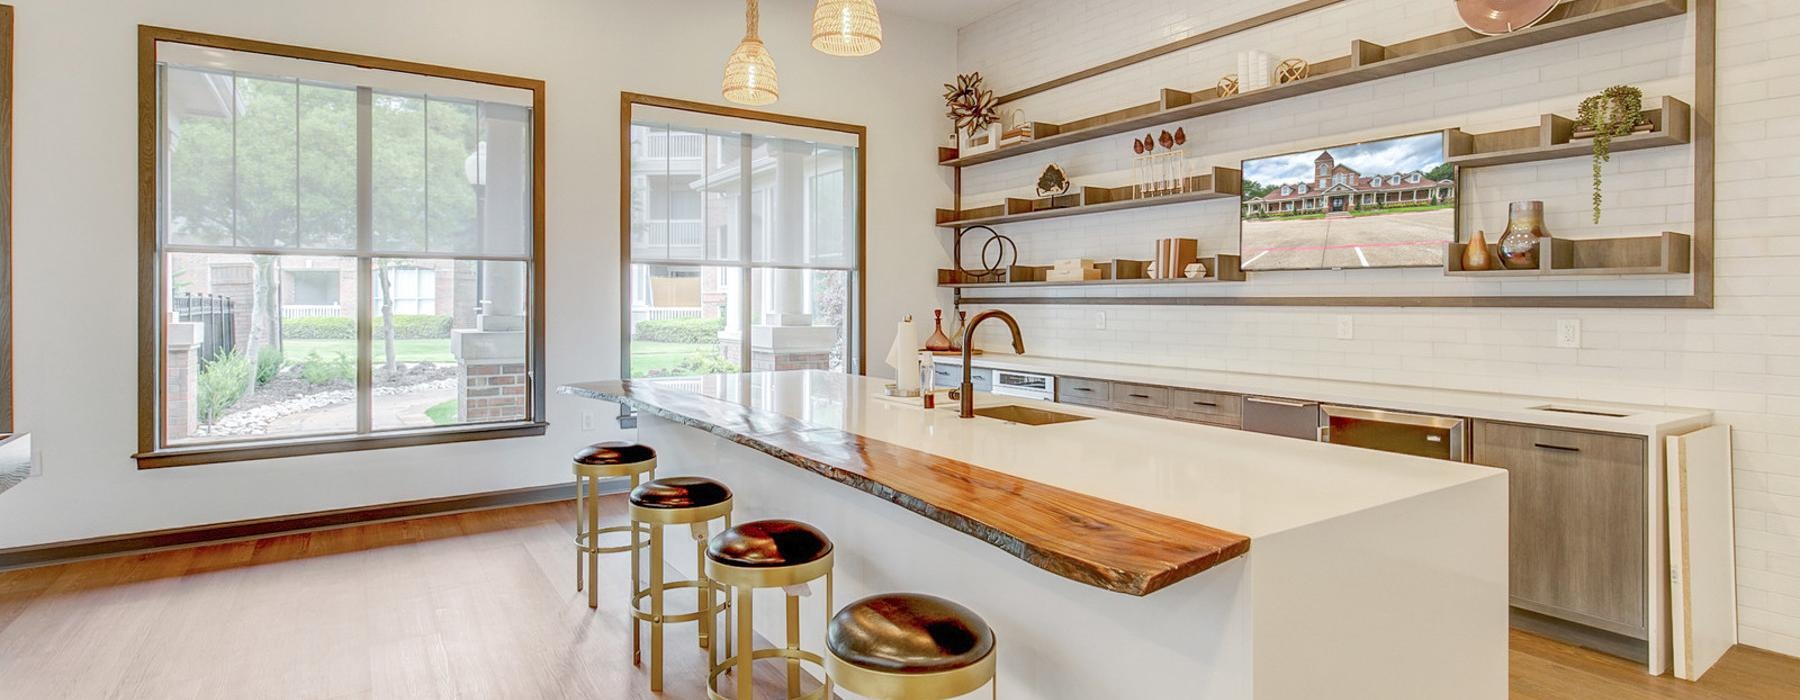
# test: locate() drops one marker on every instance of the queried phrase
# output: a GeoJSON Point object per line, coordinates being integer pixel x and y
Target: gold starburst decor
{"type": "Point", "coordinates": [1228, 85]}
{"type": "Point", "coordinates": [972, 106]}
{"type": "Point", "coordinates": [750, 72]}
{"type": "Point", "coordinates": [846, 27]}
{"type": "Point", "coordinates": [1291, 70]}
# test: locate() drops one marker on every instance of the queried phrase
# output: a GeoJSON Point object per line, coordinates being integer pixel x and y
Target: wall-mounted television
{"type": "Point", "coordinates": [1387, 203]}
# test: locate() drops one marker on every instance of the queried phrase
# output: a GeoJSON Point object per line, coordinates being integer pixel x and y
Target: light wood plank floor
{"type": "Point", "coordinates": [472, 605]}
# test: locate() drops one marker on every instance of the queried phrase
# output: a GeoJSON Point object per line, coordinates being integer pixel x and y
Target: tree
{"type": "Point", "coordinates": [1443, 171]}
{"type": "Point", "coordinates": [1254, 189]}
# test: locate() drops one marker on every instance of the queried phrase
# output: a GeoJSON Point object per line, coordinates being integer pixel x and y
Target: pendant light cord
{"type": "Point", "coordinates": [750, 16]}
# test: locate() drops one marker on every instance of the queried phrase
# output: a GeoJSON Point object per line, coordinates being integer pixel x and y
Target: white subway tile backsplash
{"type": "Point", "coordinates": [1741, 359]}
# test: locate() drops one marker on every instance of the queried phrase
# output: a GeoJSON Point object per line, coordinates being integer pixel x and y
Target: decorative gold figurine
{"type": "Point", "coordinates": [1228, 85]}
{"type": "Point", "coordinates": [1291, 70]}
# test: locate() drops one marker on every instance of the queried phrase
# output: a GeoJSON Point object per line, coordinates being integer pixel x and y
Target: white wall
{"type": "Point", "coordinates": [75, 227]}
{"type": "Point", "coordinates": [1738, 359]}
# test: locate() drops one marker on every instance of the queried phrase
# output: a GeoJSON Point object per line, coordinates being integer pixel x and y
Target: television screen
{"type": "Point", "coordinates": [1388, 203]}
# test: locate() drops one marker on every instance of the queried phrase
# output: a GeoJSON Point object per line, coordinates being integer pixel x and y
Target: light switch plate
{"type": "Point", "coordinates": [1346, 327]}
{"type": "Point", "coordinates": [1099, 320]}
{"type": "Point", "coordinates": [588, 423]}
{"type": "Point", "coordinates": [1568, 333]}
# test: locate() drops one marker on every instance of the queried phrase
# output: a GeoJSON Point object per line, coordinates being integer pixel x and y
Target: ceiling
{"type": "Point", "coordinates": [955, 13]}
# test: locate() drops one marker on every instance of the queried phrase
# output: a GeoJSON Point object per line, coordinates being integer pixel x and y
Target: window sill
{"type": "Point", "coordinates": [276, 449]}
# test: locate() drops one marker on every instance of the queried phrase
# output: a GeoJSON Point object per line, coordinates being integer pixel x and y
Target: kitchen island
{"type": "Point", "coordinates": [1116, 555]}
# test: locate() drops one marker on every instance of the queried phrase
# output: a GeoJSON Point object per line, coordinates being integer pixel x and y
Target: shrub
{"type": "Point", "coordinates": [417, 327]}
{"type": "Point", "coordinates": [318, 370]}
{"type": "Point", "coordinates": [406, 327]}
{"type": "Point", "coordinates": [268, 364]}
{"type": "Point", "coordinates": [319, 328]}
{"type": "Point", "coordinates": [681, 330]}
{"type": "Point", "coordinates": [221, 383]}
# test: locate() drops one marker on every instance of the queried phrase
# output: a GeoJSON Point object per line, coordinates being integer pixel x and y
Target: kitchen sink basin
{"type": "Point", "coordinates": [1025, 415]}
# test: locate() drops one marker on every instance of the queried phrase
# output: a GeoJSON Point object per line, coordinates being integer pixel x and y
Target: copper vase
{"type": "Point", "coordinates": [938, 342]}
{"type": "Point", "coordinates": [1476, 257]}
{"type": "Point", "coordinates": [1524, 232]}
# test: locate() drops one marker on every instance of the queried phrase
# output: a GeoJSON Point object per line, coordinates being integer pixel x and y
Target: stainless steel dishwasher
{"type": "Point", "coordinates": [1392, 431]}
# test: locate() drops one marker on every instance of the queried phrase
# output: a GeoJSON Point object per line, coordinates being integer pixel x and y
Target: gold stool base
{"type": "Point", "coordinates": [800, 655]}
{"type": "Point", "coordinates": [877, 683]}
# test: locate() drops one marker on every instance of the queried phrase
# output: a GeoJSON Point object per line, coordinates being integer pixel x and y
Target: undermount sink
{"type": "Point", "coordinates": [1025, 415]}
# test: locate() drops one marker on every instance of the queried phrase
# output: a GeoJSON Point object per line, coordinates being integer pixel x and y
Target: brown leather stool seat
{"type": "Point", "coordinates": [604, 454]}
{"type": "Point", "coordinates": [909, 633]}
{"type": "Point", "coordinates": [680, 492]}
{"type": "Point", "coordinates": [769, 543]}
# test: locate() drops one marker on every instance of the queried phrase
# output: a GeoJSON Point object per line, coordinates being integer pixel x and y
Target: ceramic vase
{"type": "Point", "coordinates": [1476, 257]}
{"type": "Point", "coordinates": [1524, 232]}
{"type": "Point", "coordinates": [938, 342]}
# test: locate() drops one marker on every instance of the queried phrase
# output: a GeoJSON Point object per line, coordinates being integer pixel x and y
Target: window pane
{"type": "Point", "coordinates": [197, 157]}
{"type": "Point", "coordinates": [503, 176]}
{"type": "Point", "coordinates": [249, 357]}
{"type": "Point", "coordinates": [723, 196]}
{"type": "Point", "coordinates": [327, 167]}
{"type": "Point", "coordinates": [802, 319]}
{"type": "Point", "coordinates": [451, 160]}
{"type": "Point", "coordinates": [684, 320]}
{"type": "Point", "coordinates": [398, 172]}
{"type": "Point", "coordinates": [266, 164]}
{"type": "Point", "coordinates": [449, 343]}
{"type": "Point", "coordinates": [804, 203]}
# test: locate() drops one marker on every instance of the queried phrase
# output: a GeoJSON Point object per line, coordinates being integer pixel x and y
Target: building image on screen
{"type": "Point", "coordinates": [1388, 203]}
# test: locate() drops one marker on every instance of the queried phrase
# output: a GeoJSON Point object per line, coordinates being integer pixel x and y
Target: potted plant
{"type": "Point", "coordinates": [1616, 111]}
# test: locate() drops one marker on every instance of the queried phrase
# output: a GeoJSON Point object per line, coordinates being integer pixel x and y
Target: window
{"type": "Point", "coordinates": [743, 246]}
{"type": "Point", "coordinates": [339, 257]}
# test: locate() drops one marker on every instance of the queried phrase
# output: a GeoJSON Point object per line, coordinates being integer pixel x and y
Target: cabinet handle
{"type": "Point", "coordinates": [1210, 404]}
{"type": "Point", "coordinates": [1278, 402]}
{"type": "Point", "coordinates": [1138, 396]}
{"type": "Point", "coordinates": [1079, 388]}
{"type": "Point", "coordinates": [1559, 448]}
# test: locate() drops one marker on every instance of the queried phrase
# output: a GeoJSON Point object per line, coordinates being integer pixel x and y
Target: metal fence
{"type": "Point", "coordinates": [218, 326]}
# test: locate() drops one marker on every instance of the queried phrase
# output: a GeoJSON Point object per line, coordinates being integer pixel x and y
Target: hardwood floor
{"type": "Point", "coordinates": [472, 605]}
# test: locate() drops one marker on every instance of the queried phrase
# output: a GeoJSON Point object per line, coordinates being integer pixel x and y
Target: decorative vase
{"type": "Point", "coordinates": [1475, 257]}
{"type": "Point", "coordinates": [938, 342]}
{"type": "Point", "coordinates": [1524, 231]}
{"type": "Point", "coordinates": [956, 334]}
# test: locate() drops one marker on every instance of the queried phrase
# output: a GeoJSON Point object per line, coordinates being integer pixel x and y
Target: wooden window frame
{"type": "Point", "coordinates": [152, 454]}
{"type": "Point", "coordinates": [6, 206]}
{"type": "Point", "coordinates": [857, 329]}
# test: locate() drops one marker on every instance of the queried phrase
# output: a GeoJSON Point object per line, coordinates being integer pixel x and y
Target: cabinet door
{"type": "Point", "coordinates": [1140, 398]}
{"type": "Point", "coordinates": [1577, 522]}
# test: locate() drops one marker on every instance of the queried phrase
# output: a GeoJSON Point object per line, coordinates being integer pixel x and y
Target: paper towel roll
{"type": "Point", "coordinates": [904, 357]}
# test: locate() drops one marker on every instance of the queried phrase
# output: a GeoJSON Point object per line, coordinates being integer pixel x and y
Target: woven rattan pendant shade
{"type": "Point", "coordinates": [846, 27]}
{"type": "Point", "coordinates": [750, 72]}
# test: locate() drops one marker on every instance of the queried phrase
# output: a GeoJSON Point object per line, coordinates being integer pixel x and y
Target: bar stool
{"type": "Point", "coordinates": [909, 646]}
{"type": "Point", "coordinates": [598, 461]}
{"type": "Point", "coordinates": [680, 500]}
{"type": "Point", "coordinates": [769, 554]}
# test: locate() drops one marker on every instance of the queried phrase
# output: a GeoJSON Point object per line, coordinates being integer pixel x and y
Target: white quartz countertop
{"type": "Point", "coordinates": [1649, 421]}
{"type": "Point", "coordinates": [1247, 483]}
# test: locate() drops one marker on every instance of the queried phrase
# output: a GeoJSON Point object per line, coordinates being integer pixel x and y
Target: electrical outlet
{"type": "Point", "coordinates": [1099, 320]}
{"type": "Point", "coordinates": [588, 423]}
{"type": "Point", "coordinates": [1568, 333]}
{"type": "Point", "coordinates": [1346, 327]}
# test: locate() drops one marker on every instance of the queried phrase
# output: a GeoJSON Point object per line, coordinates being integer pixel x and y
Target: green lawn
{"type": "Point", "coordinates": [443, 413]}
{"type": "Point", "coordinates": [1401, 209]}
{"type": "Point", "coordinates": [650, 355]}
{"type": "Point", "coordinates": [435, 350]}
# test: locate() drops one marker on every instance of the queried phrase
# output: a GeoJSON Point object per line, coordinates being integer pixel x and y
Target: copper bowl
{"type": "Point", "coordinates": [1493, 17]}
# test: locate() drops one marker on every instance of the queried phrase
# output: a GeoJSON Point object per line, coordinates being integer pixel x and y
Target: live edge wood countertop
{"type": "Point", "coordinates": [1119, 502]}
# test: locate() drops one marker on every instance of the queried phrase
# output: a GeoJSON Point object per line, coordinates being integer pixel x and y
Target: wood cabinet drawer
{"type": "Point", "coordinates": [1140, 398]}
{"type": "Point", "coordinates": [1088, 392]}
{"type": "Point", "coordinates": [1232, 420]}
{"type": "Point", "coordinates": [950, 377]}
{"type": "Point", "coordinates": [1223, 407]}
{"type": "Point", "coordinates": [1577, 514]}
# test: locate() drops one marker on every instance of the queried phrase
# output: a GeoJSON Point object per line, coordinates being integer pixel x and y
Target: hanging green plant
{"type": "Point", "coordinates": [1612, 113]}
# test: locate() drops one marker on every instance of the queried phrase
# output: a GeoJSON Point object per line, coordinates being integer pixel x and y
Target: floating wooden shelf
{"type": "Point", "coordinates": [1367, 61]}
{"type": "Point", "coordinates": [1219, 268]}
{"type": "Point", "coordinates": [1220, 184]}
{"type": "Point", "coordinates": [1664, 254]}
{"type": "Point", "coordinates": [1554, 138]}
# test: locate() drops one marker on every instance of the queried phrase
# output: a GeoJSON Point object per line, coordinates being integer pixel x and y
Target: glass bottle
{"type": "Point", "coordinates": [938, 342]}
{"type": "Point", "coordinates": [1524, 232]}
{"type": "Point", "coordinates": [956, 334]}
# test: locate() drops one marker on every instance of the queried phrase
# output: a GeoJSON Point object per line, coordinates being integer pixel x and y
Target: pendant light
{"type": "Point", "coordinates": [846, 27]}
{"type": "Point", "coordinates": [750, 72]}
